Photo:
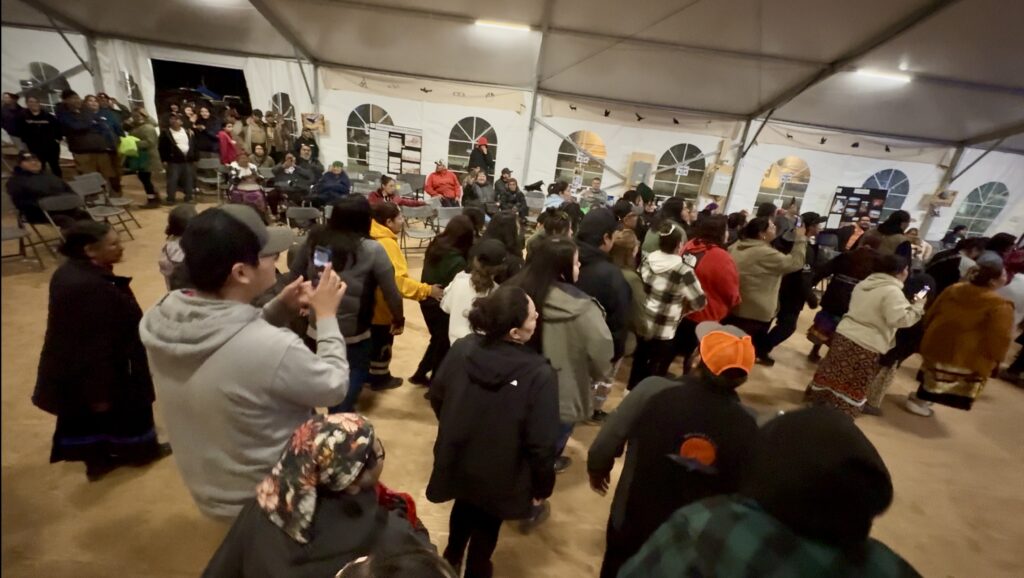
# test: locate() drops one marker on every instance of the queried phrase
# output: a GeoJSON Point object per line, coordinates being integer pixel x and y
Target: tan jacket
{"type": "Point", "coordinates": [761, 269]}
{"type": "Point", "coordinates": [877, 309]}
{"type": "Point", "coordinates": [969, 327]}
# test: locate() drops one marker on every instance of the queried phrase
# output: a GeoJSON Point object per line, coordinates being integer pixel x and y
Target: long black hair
{"type": "Point", "coordinates": [344, 233]}
{"type": "Point", "coordinates": [551, 263]}
{"type": "Point", "coordinates": [505, 228]}
{"type": "Point", "coordinates": [458, 236]}
{"type": "Point", "coordinates": [494, 316]}
{"type": "Point", "coordinates": [671, 209]}
{"type": "Point", "coordinates": [895, 224]}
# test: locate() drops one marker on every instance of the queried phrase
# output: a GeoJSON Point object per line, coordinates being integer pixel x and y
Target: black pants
{"type": "Point", "coordinates": [757, 330]}
{"type": "Point", "coordinates": [686, 341]}
{"type": "Point", "coordinates": [50, 157]}
{"type": "Point", "coordinates": [437, 324]}
{"type": "Point", "coordinates": [785, 325]}
{"type": "Point", "coordinates": [652, 357]}
{"type": "Point", "coordinates": [619, 548]}
{"type": "Point", "coordinates": [146, 178]}
{"type": "Point", "coordinates": [381, 342]}
{"type": "Point", "coordinates": [1018, 364]}
{"type": "Point", "coordinates": [473, 526]}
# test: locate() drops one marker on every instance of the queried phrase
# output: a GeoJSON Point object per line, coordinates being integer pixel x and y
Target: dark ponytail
{"type": "Point", "coordinates": [505, 309]}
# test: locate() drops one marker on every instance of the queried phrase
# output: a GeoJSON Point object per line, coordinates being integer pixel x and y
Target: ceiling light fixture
{"type": "Point", "coordinates": [503, 25]}
{"type": "Point", "coordinates": [890, 76]}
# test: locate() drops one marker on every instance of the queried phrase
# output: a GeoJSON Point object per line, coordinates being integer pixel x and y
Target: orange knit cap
{"type": "Point", "coordinates": [725, 347]}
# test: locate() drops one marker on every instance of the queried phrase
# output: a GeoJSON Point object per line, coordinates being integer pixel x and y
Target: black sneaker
{"type": "Point", "coordinates": [95, 471]}
{"type": "Point", "coordinates": [598, 416]}
{"type": "Point", "coordinates": [420, 380]}
{"type": "Point", "coordinates": [766, 360]}
{"type": "Point", "coordinates": [562, 463]}
{"type": "Point", "coordinates": [384, 385]}
{"type": "Point", "coordinates": [169, 203]}
{"type": "Point", "coordinates": [152, 204]}
{"type": "Point", "coordinates": [537, 517]}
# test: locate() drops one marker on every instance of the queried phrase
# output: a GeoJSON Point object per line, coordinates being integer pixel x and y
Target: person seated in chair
{"type": "Point", "coordinates": [291, 180]}
{"type": "Point", "coordinates": [333, 185]}
{"type": "Point", "coordinates": [29, 183]}
{"type": "Point", "coordinates": [307, 161]}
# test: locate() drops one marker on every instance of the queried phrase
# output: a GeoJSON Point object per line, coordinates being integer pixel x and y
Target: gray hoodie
{"type": "Point", "coordinates": [232, 389]}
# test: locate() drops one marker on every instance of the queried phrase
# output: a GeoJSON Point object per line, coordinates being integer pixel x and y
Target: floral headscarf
{"type": "Point", "coordinates": [327, 451]}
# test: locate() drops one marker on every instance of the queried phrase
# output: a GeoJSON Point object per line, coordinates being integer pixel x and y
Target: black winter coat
{"type": "Point", "coordinates": [477, 158]}
{"type": "Point", "coordinates": [602, 280]}
{"type": "Point", "coordinates": [498, 409]}
{"type": "Point", "coordinates": [27, 188]}
{"type": "Point", "coordinates": [87, 132]}
{"type": "Point", "coordinates": [206, 137]}
{"type": "Point", "coordinates": [40, 132]}
{"type": "Point", "coordinates": [92, 356]}
{"type": "Point", "coordinates": [169, 151]}
{"type": "Point", "coordinates": [344, 528]}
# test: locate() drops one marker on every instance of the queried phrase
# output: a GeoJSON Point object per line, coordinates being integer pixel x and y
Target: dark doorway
{"type": "Point", "coordinates": [183, 82]}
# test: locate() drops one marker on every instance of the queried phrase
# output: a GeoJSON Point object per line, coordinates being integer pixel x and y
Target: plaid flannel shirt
{"type": "Point", "coordinates": [671, 295]}
{"type": "Point", "coordinates": [730, 537]}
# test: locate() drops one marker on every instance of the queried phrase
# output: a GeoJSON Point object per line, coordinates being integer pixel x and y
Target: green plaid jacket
{"type": "Point", "coordinates": [726, 537]}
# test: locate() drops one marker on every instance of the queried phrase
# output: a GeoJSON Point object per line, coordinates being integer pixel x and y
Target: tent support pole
{"type": "Point", "coordinates": [544, 25]}
{"type": "Point", "coordinates": [736, 165]}
{"type": "Point", "coordinates": [974, 162]}
{"type": "Point", "coordinates": [579, 150]}
{"type": "Point", "coordinates": [64, 37]}
{"type": "Point", "coordinates": [94, 60]}
{"type": "Point", "coordinates": [947, 178]}
{"type": "Point", "coordinates": [305, 81]}
{"type": "Point", "coordinates": [316, 87]}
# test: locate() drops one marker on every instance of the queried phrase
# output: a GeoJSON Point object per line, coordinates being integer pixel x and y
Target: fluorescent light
{"type": "Point", "coordinates": [503, 25]}
{"type": "Point", "coordinates": [890, 76]}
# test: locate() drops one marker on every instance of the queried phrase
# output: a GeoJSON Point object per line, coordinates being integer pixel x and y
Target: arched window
{"type": "Point", "coordinates": [675, 180]}
{"type": "Point", "coordinates": [359, 121]}
{"type": "Point", "coordinates": [896, 182]}
{"type": "Point", "coordinates": [281, 105]}
{"type": "Point", "coordinates": [785, 178]}
{"type": "Point", "coordinates": [463, 138]}
{"type": "Point", "coordinates": [981, 207]}
{"type": "Point", "coordinates": [45, 83]}
{"type": "Point", "coordinates": [579, 162]}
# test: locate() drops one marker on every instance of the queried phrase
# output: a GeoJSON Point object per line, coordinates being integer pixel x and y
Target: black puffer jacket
{"type": "Point", "coordinates": [27, 188]}
{"type": "Point", "coordinates": [498, 410]}
{"type": "Point", "coordinates": [603, 281]}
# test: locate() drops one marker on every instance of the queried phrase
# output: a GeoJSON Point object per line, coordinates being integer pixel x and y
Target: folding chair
{"type": "Point", "coordinates": [416, 182]}
{"type": "Point", "coordinates": [405, 190]}
{"type": "Point", "coordinates": [433, 202]}
{"type": "Point", "coordinates": [425, 216]}
{"type": "Point", "coordinates": [86, 189]}
{"type": "Point", "coordinates": [56, 204]}
{"type": "Point", "coordinates": [363, 188]}
{"type": "Point", "coordinates": [446, 214]}
{"type": "Point", "coordinates": [206, 165]}
{"type": "Point", "coordinates": [20, 234]}
{"type": "Point", "coordinates": [304, 218]}
{"type": "Point", "coordinates": [372, 177]}
{"type": "Point", "coordinates": [95, 180]}
{"type": "Point", "coordinates": [535, 205]}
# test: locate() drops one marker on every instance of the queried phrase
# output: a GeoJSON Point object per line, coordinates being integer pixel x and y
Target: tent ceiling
{"type": "Point", "coordinates": [718, 56]}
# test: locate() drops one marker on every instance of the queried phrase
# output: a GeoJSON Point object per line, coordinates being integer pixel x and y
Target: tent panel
{"type": "Point", "coordinates": [520, 12]}
{"type": "Point", "coordinates": [231, 25]}
{"type": "Point", "coordinates": [661, 77]}
{"type": "Point", "coordinates": [915, 109]}
{"type": "Point", "coordinates": [18, 13]}
{"type": "Point", "coordinates": [977, 40]}
{"type": "Point", "coordinates": [412, 45]}
{"type": "Point", "coordinates": [794, 28]}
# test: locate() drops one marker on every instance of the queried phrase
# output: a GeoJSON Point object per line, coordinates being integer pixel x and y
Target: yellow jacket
{"type": "Point", "coordinates": [407, 286]}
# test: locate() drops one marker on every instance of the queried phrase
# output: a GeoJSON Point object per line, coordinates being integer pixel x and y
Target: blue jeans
{"type": "Point", "coordinates": [358, 374]}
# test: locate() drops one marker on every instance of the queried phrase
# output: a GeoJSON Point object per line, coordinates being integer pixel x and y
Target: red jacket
{"type": "Point", "coordinates": [377, 197]}
{"type": "Point", "coordinates": [228, 152]}
{"type": "Point", "coordinates": [719, 279]}
{"type": "Point", "coordinates": [444, 184]}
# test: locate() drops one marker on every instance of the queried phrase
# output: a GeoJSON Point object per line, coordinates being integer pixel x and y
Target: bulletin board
{"type": "Point", "coordinates": [851, 203]}
{"type": "Point", "coordinates": [395, 150]}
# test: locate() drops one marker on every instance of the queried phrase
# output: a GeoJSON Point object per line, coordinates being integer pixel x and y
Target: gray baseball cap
{"type": "Point", "coordinates": [272, 241]}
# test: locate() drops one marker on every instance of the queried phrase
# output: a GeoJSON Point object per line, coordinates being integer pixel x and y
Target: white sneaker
{"type": "Point", "coordinates": [917, 406]}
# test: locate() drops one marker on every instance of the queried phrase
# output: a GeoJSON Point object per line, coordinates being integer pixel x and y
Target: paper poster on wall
{"type": "Point", "coordinates": [582, 158]}
{"type": "Point", "coordinates": [682, 171]}
{"type": "Point", "coordinates": [413, 141]}
{"type": "Point", "coordinates": [850, 204]}
{"type": "Point", "coordinates": [395, 149]}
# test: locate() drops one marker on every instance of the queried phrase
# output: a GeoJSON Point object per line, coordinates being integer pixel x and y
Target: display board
{"type": "Point", "coordinates": [395, 150]}
{"type": "Point", "coordinates": [851, 203]}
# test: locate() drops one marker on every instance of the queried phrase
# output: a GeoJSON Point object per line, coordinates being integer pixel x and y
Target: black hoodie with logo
{"type": "Point", "coordinates": [498, 409]}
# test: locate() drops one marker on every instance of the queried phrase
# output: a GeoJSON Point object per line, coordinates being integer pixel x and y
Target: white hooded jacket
{"type": "Point", "coordinates": [877, 309]}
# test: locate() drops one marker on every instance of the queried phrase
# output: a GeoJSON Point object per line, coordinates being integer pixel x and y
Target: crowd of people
{"type": "Point", "coordinates": [528, 334]}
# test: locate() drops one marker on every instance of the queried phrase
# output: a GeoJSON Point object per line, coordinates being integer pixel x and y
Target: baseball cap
{"type": "Point", "coordinates": [725, 347]}
{"type": "Point", "coordinates": [26, 156]}
{"type": "Point", "coordinates": [596, 224]}
{"type": "Point", "coordinates": [440, 162]}
{"type": "Point", "coordinates": [272, 241]}
{"type": "Point", "coordinates": [482, 141]}
{"type": "Point", "coordinates": [338, 164]}
{"type": "Point", "coordinates": [506, 171]}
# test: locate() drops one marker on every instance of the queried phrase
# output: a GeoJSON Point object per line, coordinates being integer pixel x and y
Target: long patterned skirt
{"type": "Point", "coordinates": [121, 435]}
{"type": "Point", "coordinates": [949, 385]}
{"type": "Point", "coordinates": [843, 377]}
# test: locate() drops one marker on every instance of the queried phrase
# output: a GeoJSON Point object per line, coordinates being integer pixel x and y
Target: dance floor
{"type": "Point", "coordinates": [959, 476]}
